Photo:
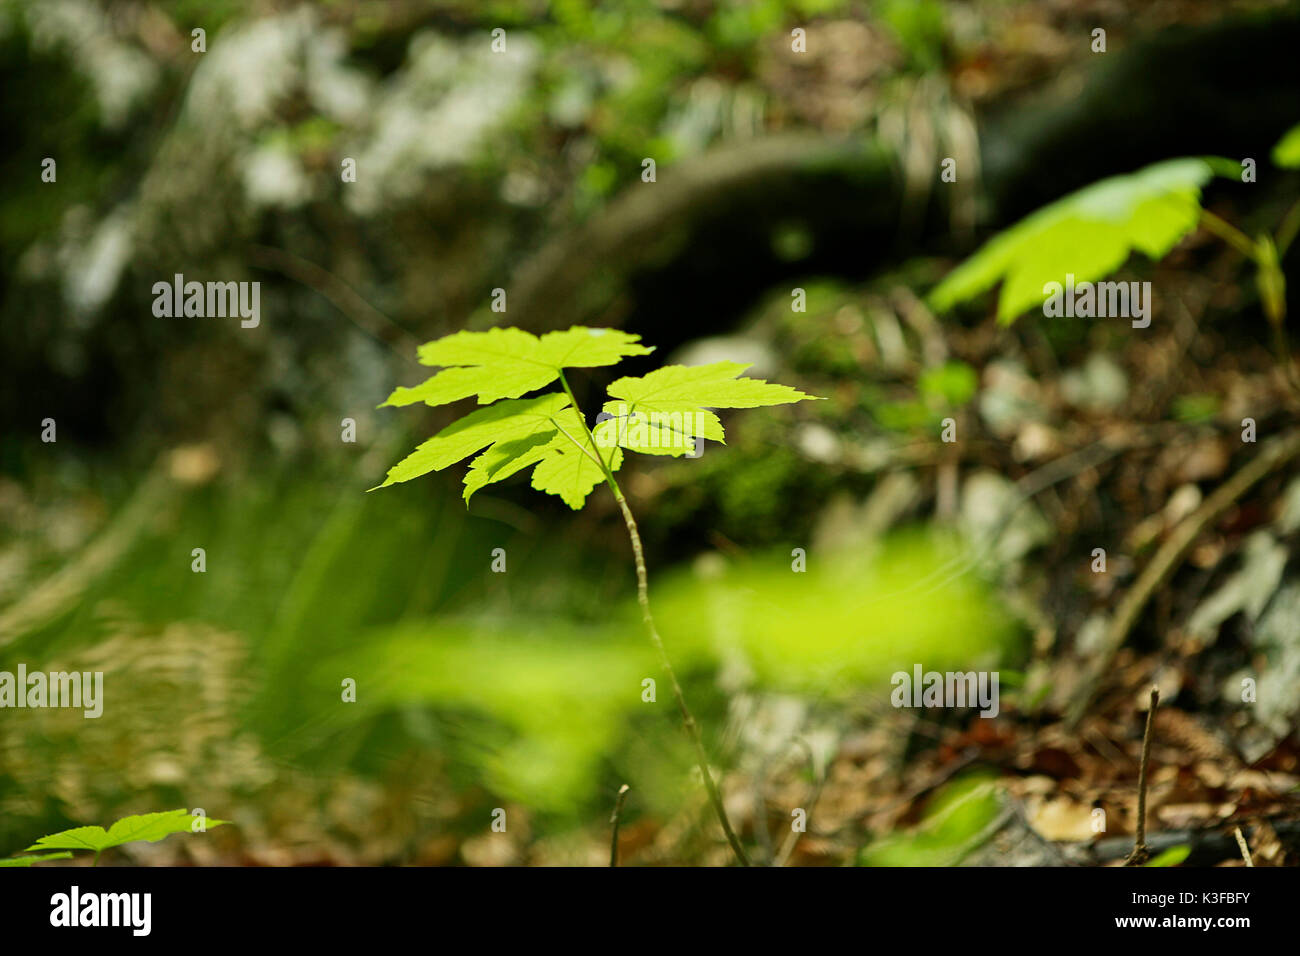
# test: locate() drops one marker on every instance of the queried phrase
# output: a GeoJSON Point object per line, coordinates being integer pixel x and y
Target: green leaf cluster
{"type": "Point", "coordinates": [662, 413]}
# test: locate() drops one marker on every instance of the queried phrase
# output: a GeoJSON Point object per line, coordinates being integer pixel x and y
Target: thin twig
{"type": "Point", "coordinates": [1241, 842]}
{"type": "Point", "coordinates": [1168, 557]}
{"type": "Point", "coordinates": [1209, 845]}
{"type": "Point", "coordinates": [1032, 484]}
{"type": "Point", "coordinates": [819, 783]}
{"type": "Point", "coordinates": [1141, 852]}
{"type": "Point", "coordinates": [1282, 353]}
{"type": "Point", "coordinates": [339, 294]}
{"type": "Point", "coordinates": [761, 832]}
{"type": "Point", "coordinates": [613, 822]}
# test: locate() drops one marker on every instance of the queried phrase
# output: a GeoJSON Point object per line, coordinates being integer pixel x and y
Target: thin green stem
{"type": "Point", "coordinates": [1266, 255]}
{"type": "Point", "coordinates": [579, 445]}
{"type": "Point", "coordinates": [643, 598]}
{"type": "Point", "coordinates": [609, 475]}
{"type": "Point", "coordinates": [1271, 282]}
{"type": "Point", "coordinates": [1282, 350]}
{"type": "Point", "coordinates": [1286, 232]}
{"type": "Point", "coordinates": [1230, 234]}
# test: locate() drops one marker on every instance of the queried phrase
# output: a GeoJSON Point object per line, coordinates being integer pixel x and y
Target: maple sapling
{"type": "Point", "coordinates": [667, 412]}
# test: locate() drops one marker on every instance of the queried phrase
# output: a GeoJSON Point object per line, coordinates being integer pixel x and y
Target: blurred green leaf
{"type": "Point", "coordinates": [149, 827]}
{"type": "Point", "coordinates": [1196, 408]}
{"type": "Point", "coordinates": [920, 28]}
{"type": "Point", "coordinates": [1173, 856]}
{"type": "Point", "coordinates": [961, 812]}
{"type": "Point", "coordinates": [30, 860]}
{"type": "Point", "coordinates": [1088, 234]}
{"type": "Point", "coordinates": [1287, 151]}
{"type": "Point", "coordinates": [564, 695]}
{"type": "Point", "coordinates": [952, 383]}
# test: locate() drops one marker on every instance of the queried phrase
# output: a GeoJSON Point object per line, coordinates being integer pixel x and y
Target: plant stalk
{"type": "Point", "coordinates": [1287, 231]}
{"type": "Point", "coordinates": [643, 598]}
{"type": "Point", "coordinates": [1266, 254]}
{"type": "Point", "coordinates": [1141, 852]}
{"type": "Point", "coordinates": [688, 719]}
{"type": "Point", "coordinates": [1241, 843]}
{"type": "Point", "coordinates": [1229, 234]}
{"type": "Point", "coordinates": [613, 822]}
{"type": "Point", "coordinates": [1271, 283]}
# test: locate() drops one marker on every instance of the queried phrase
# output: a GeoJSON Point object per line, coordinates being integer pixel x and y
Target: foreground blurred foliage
{"type": "Point", "coordinates": [566, 698]}
{"type": "Point", "coordinates": [953, 823]}
{"type": "Point", "coordinates": [537, 700]}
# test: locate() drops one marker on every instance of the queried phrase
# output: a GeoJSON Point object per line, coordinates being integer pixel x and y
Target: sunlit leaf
{"type": "Point", "coordinates": [507, 363]}
{"type": "Point", "coordinates": [571, 464]}
{"type": "Point", "coordinates": [673, 435]}
{"type": "Point", "coordinates": [507, 421]}
{"type": "Point", "coordinates": [1089, 234]}
{"type": "Point", "coordinates": [505, 458]}
{"type": "Point", "coordinates": [661, 412]}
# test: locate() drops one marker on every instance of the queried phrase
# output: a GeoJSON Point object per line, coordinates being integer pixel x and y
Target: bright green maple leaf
{"type": "Point", "coordinates": [564, 460]}
{"type": "Point", "coordinates": [508, 421]}
{"type": "Point", "coordinates": [675, 436]}
{"type": "Point", "coordinates": [150, 827]}
{"type": "Point", "coordinates": [661, 413]}
{"type": "Point", "coordinates": [653, 413]}
{"type": "Point", "coordinates": [505, 458]}
{"type": "Point", "coordinates": [1089, 233]}
{"type": "Point", "coordinates": [569, 468]}
{"type": "Point", "coordinates": [1286, 153]}
{"type": "Point", "coordinates": [545, 431]}
{"type": "Point", "coordinates": [507, 363]}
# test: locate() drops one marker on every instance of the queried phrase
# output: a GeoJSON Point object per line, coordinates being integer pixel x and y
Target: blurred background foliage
{"type": "Point", "coordinates": [478, 170]}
